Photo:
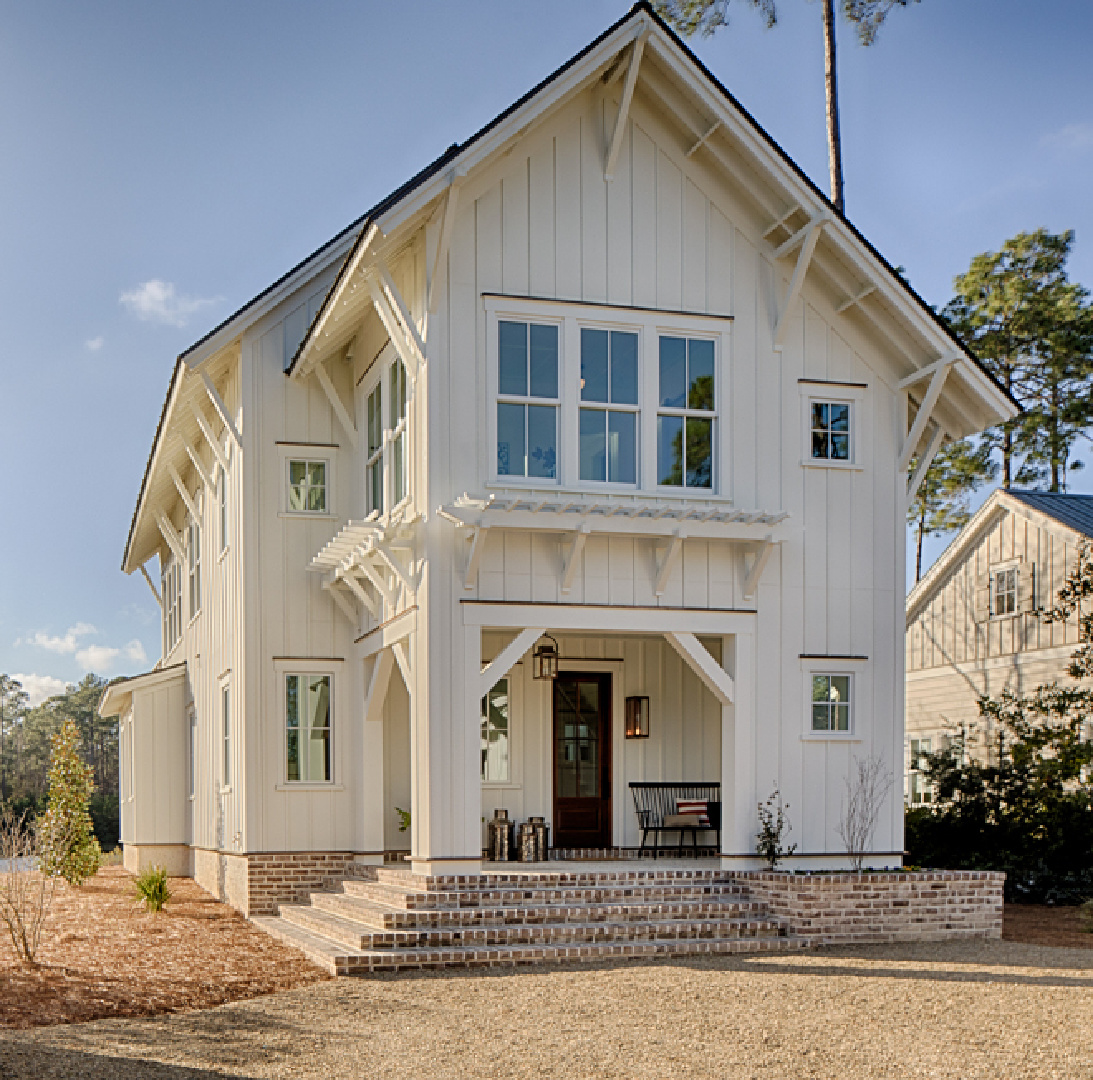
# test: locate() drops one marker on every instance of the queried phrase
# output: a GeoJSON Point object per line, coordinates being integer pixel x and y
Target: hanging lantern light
{"type": "Point", "coordinates": [545, 660]}
{"type": "Point", "coordinates": [637, 718]}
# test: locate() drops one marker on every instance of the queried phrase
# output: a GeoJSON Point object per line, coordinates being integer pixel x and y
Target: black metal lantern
{"type": "Point", "coordinates": [545, 660]}
{"type": "Point", "coordinates": [637, 718]}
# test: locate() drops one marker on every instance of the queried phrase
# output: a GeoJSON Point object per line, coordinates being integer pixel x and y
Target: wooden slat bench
{"type": "Point", "coordinates": [655, 801]}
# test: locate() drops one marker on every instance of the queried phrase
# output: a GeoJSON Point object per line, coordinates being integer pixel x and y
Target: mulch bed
{"type": "Point", "coordinates": [1039, 924]}
{"type": "Point", "coordinates": [103, 955]}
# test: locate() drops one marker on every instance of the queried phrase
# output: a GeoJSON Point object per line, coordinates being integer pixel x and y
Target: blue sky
{"type": "Point", "coordinates": [162, 163]}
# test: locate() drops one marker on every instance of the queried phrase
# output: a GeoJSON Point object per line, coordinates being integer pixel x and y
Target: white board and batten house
{"type": "Point", "coordinates": [973, 622]}
{"type": "Point", "coordinates": [613, 376]}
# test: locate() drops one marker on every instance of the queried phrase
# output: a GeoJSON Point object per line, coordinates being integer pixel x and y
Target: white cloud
{"type": "Point", "coordinates": [67, 643]}
{"type": "Point", "coordinates": [1077, 136]}
{"type": "Point", "coordinates": [157, 301]}
{"type": "Point", "coordinates": [95, 343]}
{"type": "Point", "coordinates": [39, 687]}
{"type": "Point", "coordinates": [135, 651]}
{"type": "Point", "coordinates": [97, 657]}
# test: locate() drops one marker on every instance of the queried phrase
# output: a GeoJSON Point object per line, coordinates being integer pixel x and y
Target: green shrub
{"type": "Point", "coordinates": [151, 886]}
{"type": "Point", "coordinates": [1086, 913]}
{"type": "Point", "coordinates": [773, 828]}
{"type": "Point", "coordinates": [69, 847]}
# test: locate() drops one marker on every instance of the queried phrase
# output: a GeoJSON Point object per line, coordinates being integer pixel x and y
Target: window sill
{"type": "Point", "coordinates": [488, 786]}
{"type": "Point", "coordinates": [225, 790]}
{"type": "Point", "coordinates": [290, 786]}
{"type": "Point", "coordinates": [820, 463]}
{"type": "Point", "coordinates": [830, 736]}
{"type": "Point", "coordinates": [307, 515]}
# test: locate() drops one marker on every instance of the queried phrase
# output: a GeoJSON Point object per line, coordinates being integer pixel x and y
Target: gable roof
{"type": "Point", "coordinates": [1074, 512]}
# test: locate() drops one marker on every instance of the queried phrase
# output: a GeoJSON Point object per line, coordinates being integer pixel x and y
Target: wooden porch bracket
{"type": "Point", "coordinates": [624, 105]}
{"type": "Point", "coordinates": [378, 583]}
{"type": "Point", "coordinates": [376, 693]}
{"type": "Point", "coordinates": [923, 467]}
{"type": "Point", "coordinates": [928, 371]}
{"type": "Point", "coordinates": [715, 678]}
{"type": "Point", "coordinates": [221, 409]}
{"type": "Point", "coordinates": [807, 238]}
{"type": "Point", "coordinates": [336, 403]}
{"type": "Point", "coordinates": [668, 560]}
{"type": "Point", "coordinates": [174, 541]}
{"type": "Point", "coordinates": [758, 565]}
{"type": "Point", "coordinates": [183, 492]}
{"type": "Point", "coordinates": [210, 438]}
{"type": "Point", "coordinates": [398, 650]}
{"type": "Point", "coordinates": [447, 222]}
{"type": "Point", "coordinates": [151, 585]}
{"type": "Point", "coordinates": [399, 305]}
{"type": "Point", "coordinates": [573, 557]}
{"type": "Point", "coordinates": [478, 544]}
{"type": "Point", "coordinates": [199, 465]}
{"type": "Point", "coordinates": [940, 371]}
{"type": "Point", "coordinates": [503, 661]}
{"type": "Point", "coordinates": [393, 327]}
{"type": "Point", "coordinates": [343, 605]}
{"type": "Point", "coordinates": [354, 587]}
{"type": "Point", "coordinates": [403, 576]}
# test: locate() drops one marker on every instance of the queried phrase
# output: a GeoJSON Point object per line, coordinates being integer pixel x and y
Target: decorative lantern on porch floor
{"type": "Point", "coordinates": [545, 660]}
{"type": "Point", "coordinates": [637, 718]}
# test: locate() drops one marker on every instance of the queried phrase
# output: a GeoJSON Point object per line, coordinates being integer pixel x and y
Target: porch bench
{"type": "Point", "coordinates": [656, 800]}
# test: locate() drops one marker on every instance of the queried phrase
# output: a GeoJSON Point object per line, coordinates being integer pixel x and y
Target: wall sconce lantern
{"type": "Point", "coordinates": [637, 718]}
{"type": "Point", "coordinates": [545, 660]}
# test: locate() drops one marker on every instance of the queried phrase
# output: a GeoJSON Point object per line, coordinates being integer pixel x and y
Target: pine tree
{"type": "Point", "coordinates": [70, 849]}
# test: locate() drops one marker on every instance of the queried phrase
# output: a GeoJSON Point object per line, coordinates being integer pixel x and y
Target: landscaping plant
{"type": "Point", "coordinates": [69, 848]}
{"type": "Point", "coordinates": [25, 893]}
{"type": "Point", "coordinates": [151, 886]}
{"type": "Point", "coordinates": [867, 787]}
{"type": "Point", "coordinates": [773, 827]}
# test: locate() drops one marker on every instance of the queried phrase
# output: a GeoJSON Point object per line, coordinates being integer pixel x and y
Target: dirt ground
{"type": "Point", "coordinates": [1037, 924]}
{"type": "Point", "coordinates": [102, 955]}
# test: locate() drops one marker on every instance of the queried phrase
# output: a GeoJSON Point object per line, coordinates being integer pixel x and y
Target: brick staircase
{"type": "Point", "coordinates": [386, 919]}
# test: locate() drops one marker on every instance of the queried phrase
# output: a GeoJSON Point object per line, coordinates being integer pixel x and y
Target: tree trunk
{"type": "Point", "coordinates": [834, 143]}
{"type": "Point", "coordinates": [918, 549]}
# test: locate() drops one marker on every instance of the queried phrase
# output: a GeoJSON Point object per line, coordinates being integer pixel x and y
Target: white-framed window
{"type": "Point", "coordinates": [193, 566]}
{"type": "Point", "coordinates": [686, 412]}
{"type": "Point", "coordinates": [191, 715]}
{"type": "Point", "coordinates": [374, 462]}
{"type": "Point", "coordinates": [172, 602]}
{"type": "Point", "coordinates": [307, 486]}
{"type": "Point", "coordinates": [1004, 591]}
{"type": "Point", "coordinates": [225, 734]}
{"type": "Point", "coordinates": [130, 791]}
{"type": "Point", "coordinates": [609, 413]}
{"type": "Point", "coordinates": [496, 734]}
{"type": "Point", "coordinates": [222, 508]}
{"type": "Point", "coordinates": [387, 461]}
{"type": "Point", "coordinates": [918, 788]}
{"type": "Point", "coordinates": [831, 702]}
{"type": "Point", "coordinates": [832, 424]}
{"type": "Point", "coordinates": [308, 727]}
{"type": "Point", "coordinates": [527, 399]}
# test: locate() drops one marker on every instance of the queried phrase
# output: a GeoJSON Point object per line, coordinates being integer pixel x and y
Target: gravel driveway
{"type": "Point", "coordinates": [993, 1009]}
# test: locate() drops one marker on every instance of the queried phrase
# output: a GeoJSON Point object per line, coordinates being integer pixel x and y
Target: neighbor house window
{"type": "Point", "coordinates": [307, 724]}
{"type": "Point", "coordinates": [830, 430]}
{"type": "Point", "coordinates": [222, 503]}
{"type": "Point", "coordinates": [685, 413]}
{"type": "Point", "coordinates": [527, 400]}
{"type": "Point", "coordinates": [830, 702]}
{"type": "Point", "coordinates": [226, 735]}
{"type": "Point", "coordinates": [307, 487]}
{"type": "Point", "coordinates": [608, 434]}
{"type": "Point", "coordinates": [1004, 592]}
{"type": "Point", "coordinates": [193, 566]}
{"type": "Point", "coordinates": [172, 602]}
{"type": "Point", "coordinates": [919, 790]}
{"type": "Point", "coordinates": [495, 734]}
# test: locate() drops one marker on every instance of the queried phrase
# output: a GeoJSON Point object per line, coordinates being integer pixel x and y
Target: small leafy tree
{"type": "Point", "coordinates": [69, 847]}
{"type": "Point", "coordinates": [774, 826]}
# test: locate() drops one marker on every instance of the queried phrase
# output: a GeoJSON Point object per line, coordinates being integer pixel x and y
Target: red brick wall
{"type": "Point", "coordinates": [843, 909]}
{"type": "Point", "coordinates": [289, 877]}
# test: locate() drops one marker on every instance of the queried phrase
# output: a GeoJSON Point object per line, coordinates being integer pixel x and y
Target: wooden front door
{"type": "Point", "coordinates": [582, 761]}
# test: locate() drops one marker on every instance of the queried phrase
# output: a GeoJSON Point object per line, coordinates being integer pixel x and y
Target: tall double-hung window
{"type": "Point", "coordinates": [307, 728]}
{"type": "Point", "coordinates": [686, 412]}
{"type": "Point", "coordinates": [172, 602]}
{"type": "Point", "coordinates": [609, 406]}
{"type": "Point", "coordinates": [193, 566]}
{"type": "Point", "coordinates": [527, 399]}
{"type": "Point", "coordinates": [387, 464]}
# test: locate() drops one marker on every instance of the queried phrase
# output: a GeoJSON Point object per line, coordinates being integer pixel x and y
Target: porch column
{"type": "Point", "coordinates": [738, 753]}
{"type": "Point", "coordinates": [372, 813]}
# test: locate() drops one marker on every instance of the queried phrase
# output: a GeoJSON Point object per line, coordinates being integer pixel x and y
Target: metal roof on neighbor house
{"type": "Point", "coordinates": [1073, 511]}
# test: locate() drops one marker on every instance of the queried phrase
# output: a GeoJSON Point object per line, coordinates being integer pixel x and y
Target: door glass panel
{"type": "Point", "coordinates": [577, 735]}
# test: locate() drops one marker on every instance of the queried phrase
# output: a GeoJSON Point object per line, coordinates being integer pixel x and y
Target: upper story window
{"type": "Point", "coordinates": [608, 433]}
{"type": "Point", "coordinates": [387, 462]}
{"type": "Point", "coordinates": [374, 463]}
{"type": "Point", "coordinates": [193, 566]}
{"type": "Point", "coordinates": [222, 506]}
{"type": "Point", "coordinates": [686, 412]}
{"type": "Point", "coordinates": [307, 487]}
{"type": "Point", "coordinates": [527, 400]}
{"type": "Point", "coordinates": [830, 430]}
{"type": "Point", "coordinates": [1004, 592]}
{"type": "Point", "coordinates": [172, 603]}
{"type": "Point", "coordinates": [830, 702]}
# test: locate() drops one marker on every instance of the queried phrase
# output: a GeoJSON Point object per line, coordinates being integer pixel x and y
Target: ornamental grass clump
{"type": "Point", "coordinates": [151, 886]}
{"type": "Point", "coordinates": [68, 845]}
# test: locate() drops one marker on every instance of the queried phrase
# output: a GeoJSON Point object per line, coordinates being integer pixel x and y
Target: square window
{"type": "Point", "coordinates": [830, 433]}
{"type": "Point", "coordinates": [307, 487]}
{"type": "Point", "coordinates": [830, 707]}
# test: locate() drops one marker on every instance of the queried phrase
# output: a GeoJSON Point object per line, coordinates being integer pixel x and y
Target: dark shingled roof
{"type": "Point", "coordinates": [1074, 511]}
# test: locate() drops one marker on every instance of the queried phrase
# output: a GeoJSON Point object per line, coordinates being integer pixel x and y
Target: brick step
{"type": "Point", "coordinates": [397, 895]}
{"type": "Point", "coordinates": [493, 878]}
{"type": "Point", "coordinates": [377, 915]}
{"type": "Point", "coordinates": [339, 960]}
{"type": "Point", "coordinates": [353, 935]}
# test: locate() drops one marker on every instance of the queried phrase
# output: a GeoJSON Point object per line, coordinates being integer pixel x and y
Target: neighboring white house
{"type": "Point", "coordinates": [973, 627]}
{"type": "Point", "coordinates": [614, 371]}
